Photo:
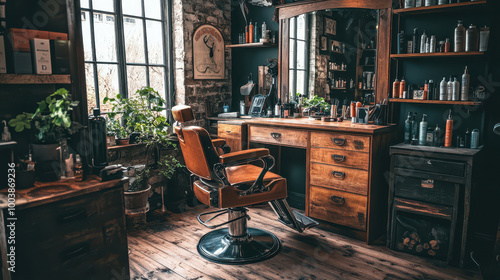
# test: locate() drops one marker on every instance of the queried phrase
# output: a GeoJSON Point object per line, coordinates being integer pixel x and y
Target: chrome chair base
{"type": "Point", "coordinates": [220, 247]}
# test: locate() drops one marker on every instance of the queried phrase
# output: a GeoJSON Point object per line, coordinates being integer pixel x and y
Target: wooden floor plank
{"type": "Point", "coordinates": [169, 242]}
{"type": "Point", "coordinates": [152, 269]}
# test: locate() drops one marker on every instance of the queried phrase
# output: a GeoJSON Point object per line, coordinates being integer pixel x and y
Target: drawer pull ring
{"type": "Point", "coordinates": [338, 200]}
{"type": "Point", "coordinates": [275, 135]}
{"type": "Point", "coordinates": [338, 175]}
{"type": "Point", "coordinates": [338, 158]}
{"type": "Point", "coordinates": [339, 141]}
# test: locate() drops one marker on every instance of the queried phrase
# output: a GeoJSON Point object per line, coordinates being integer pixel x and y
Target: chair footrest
{"type": "Point", "coordinates": [291, 219]}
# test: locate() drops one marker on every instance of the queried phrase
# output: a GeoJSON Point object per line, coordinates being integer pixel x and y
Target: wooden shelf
{"type": "Point", "coordinates": [118, 147]}
{"type": "Point", "coordinates": [400, 100]}
{"type": "Point", "coordinates": [437, 54]}
{"type": "Point", "coordinates": [252, 45]}
{"type": "Point", "coordinates": [338, 88]}
{"type": "Point", "coordinates": [440, 8]}
{"type": "Point", "coordinates": [17, 79]}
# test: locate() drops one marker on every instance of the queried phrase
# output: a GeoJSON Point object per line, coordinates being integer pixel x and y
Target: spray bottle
{"type": "Point", "coordinates": [449, 131]}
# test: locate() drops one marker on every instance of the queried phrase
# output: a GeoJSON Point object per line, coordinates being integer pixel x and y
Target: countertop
{"type": "Point", "coordinates": [46, 192]}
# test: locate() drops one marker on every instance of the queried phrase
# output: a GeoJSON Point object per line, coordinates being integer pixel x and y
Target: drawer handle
{"type": "Point", "coordinates": [228, 131]}
{"type": "Point", "coordinates": [338, 158]}
{"type": "Point", "coordinates": [275, 135]}
{"type": "Point", "coordinates": [338, 200]}
{"type": "Point", "coordinates": [339, 141]}
{"type": "Point", "coordinates": [338, 175]}
{"type": "Point", "coordinates": [75, 216]}
{"type": "Point", "coordinates": [76, 251]}
{"type": "Point", "coordinates": [427, 184]}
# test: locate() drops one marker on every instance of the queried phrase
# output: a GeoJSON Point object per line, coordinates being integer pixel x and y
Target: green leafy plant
{"type": "Point", "coordinates": [141, 181]}
{"type": "Point", "coordinates": [317, 103]}
{"type": "Point", "coordinates": [51, 119]}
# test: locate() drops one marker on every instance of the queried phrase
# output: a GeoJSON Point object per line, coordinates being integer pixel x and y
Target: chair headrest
{"type": "Point", "coordinates": [182, 113]}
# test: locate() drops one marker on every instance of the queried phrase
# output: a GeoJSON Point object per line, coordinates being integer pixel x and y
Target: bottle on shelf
{"type": "Point", "coordinates": [456, 90]}
{"type": "Point", "coordinates": [415, 41]}
{"type": "Point", "coordinates": [395, 88]}
{"type": "Point", "coordinates": [423, 131]}
{"type": "Point", "coordinates": [426, 90]}
{"type": "Point", "coordinates": [450, 89]}
{"type": "Point", "coordinates": [414, 131]}
{"type": "Point", "coordinates": [250, 32]}
{"type": "Point", "coordinates": [438, 136]}
{"type": "Point", "coordinates": [402, 87]}
{"type": "Point", "coordinates": [443, 89]}
{"type": "Point", "coordinates": [408, 128]}
{"type": "Point", "coordinates": [423, 40]}
{"type": "Point", "coordinates": [447, 45]}
{"type": "Point", "coordinates": [409, 4]}
{"type": "Point", "coordinates": [484, 37]}
{"type": "Point", "coordinates": [433, 44]}
{"type": "Point", "coordinates": [465, 85]}
{"type": "Point", "coordinates": [460, 37]}
{"type": "Point", "coordinates": [472, 39]}
{"type": "Point", "coordinates": [449, 131]}
{"type": "Point", "coordinates": [263, 31]}
{"type": "Point", "coordinates": [277, 109]}
{"type": "Point", "coordinates": [467, 138]}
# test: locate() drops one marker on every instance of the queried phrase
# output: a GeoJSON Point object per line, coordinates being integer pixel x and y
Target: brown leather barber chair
{"type": "Point", "coordinates": [227, 181]}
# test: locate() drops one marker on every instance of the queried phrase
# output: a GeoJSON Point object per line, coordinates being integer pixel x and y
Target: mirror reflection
{"type": "Point", "coordinates": [333, 55]}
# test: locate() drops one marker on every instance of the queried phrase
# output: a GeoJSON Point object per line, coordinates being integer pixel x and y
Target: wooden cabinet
{"type": "Point", "coordinates": [70, 233]}
{"type": "Point", "coordinates": [430, 192]}
{"type": "Point", "coordinates": [235, 134]}
{"type": "Point", "coordinates": [345, 166]}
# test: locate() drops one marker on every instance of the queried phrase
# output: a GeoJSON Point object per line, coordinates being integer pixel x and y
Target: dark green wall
{"type": "Point", "coordinates": [246, 61]}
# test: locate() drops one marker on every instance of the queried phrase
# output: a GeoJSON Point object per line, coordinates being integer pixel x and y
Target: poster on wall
{"type": "Point", "coordinates": [208, 53]}
{"type": "Point", "coordinates": [330, 26]}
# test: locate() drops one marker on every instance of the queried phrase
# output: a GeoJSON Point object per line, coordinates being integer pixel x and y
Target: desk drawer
{"type": "Point", "coordinates": [340, 141]}
{"type": "Point", "coordinates": [425, 190]}
{"type": "Point", "coordinates": [431, 165]}
{"type": "Point", "coordinates": [340, 158]}
{"type": "Point", "coordinates": [338, 207]}
{"type": "Point", "coordinates": [278, 136]}
{"type": "Point", "coordinates": [229, 130]}
{"type": "Point", "coordinates": [340, 178]}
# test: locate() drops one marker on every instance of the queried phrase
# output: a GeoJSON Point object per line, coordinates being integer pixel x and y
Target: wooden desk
{"type": "Point", "coordinates": [345, 168]}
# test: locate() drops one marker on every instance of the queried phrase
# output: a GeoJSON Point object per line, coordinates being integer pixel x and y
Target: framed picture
{"type": "Point", "coordinates": [208, 53]}
{"type": "Point", "coordinates": [330, 26]}
{"type": "Point", "coordinates": [418, 94]}
{"type": "Point", "coordinates": [323, 46]}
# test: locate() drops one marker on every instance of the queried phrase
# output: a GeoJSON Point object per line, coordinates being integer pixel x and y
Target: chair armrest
{"type": "Point", "coordinates": [218, 142]}
{"type": "Point", "coordinates": [243, 155]}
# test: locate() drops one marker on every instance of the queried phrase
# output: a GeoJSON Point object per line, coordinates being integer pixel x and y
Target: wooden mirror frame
{"type": "Point", "coordinates": [287, 11]}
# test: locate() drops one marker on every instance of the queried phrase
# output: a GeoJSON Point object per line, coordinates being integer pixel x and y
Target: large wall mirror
{"type": "Point", "coordinates": [335, 49]}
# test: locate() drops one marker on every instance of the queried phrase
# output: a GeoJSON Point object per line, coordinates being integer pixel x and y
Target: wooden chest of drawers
{"type": "Point", "coordinates": [235, 134]}
{"type": "Point", "coordinates": [344, 175]}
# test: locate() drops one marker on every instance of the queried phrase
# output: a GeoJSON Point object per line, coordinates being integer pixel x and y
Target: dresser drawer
{"type": "Point", "coordinates": [338, 207]}
{"type": "Point", "coordinates": [229, 130]}
{"type": "Point", "coordinates": [279, 136]}
{"type": "Point", "coordinates": [430, 165]}
{"type": "Point", "coordinates": [340, 178]}
{"type": "Point", "coordinates": [340, 141]}
{"type": "Point", "coordinates": [425, 190]}
{"type": "Point", "coordinates": [340, 158]}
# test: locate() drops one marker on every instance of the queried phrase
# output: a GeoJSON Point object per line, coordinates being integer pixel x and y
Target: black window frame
{"type": "Point", "coordinates": [293, 39]}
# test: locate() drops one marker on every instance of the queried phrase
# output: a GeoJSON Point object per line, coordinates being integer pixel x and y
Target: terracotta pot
{"type": "Point", "coordinates": [122, 141]}
{"type": "Point", "coordinates": [137, 202]}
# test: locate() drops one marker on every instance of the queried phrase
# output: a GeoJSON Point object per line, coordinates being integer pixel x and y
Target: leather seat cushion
{"type": "Point", "coordinates": [204, 193]}
{"type": "Point", "coordinates": [247, 174]}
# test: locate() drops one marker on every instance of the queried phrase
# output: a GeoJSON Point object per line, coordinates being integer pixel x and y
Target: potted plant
{"type": "Point", "coordinates": [52, 125]}
{"type": "Point", "coordinates": [137, 194]}
{"type": "Point", "coordinates": [315, 106]}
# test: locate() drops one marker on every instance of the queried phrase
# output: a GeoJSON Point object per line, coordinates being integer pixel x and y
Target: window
{"type": "Point", "coordinates": [298, 80]}
{"type": "Point", "coordinates": [126, 46]}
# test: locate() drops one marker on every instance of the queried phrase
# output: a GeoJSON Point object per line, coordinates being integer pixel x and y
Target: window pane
{"type": "Point", "coordinates": [108, 82]}
{"type": "Point", "coordinates": [293, 21]}
{"type": "Point", "coordinates": [301, 55]}
{"type": "Point", "coordinates": [291, 81]}
{"type": "Point", "coordinates": [157, 79]}
{"type": "Point", "coordinates": [155, 42]}
{"type": "Point", "coordinates": [87, 42]}
{"type": "Point", "coordinates": [292, 54]}
{"type": "Point", "coordinates": [84, 3]}
{"type": "Point", "coordinates": [104, 31]}
{"type": "Point", "coordinates": [136, 78]}
{"type": "Point", "coordinates": [153, 8]}
{"type": "Point", "coordinates": [132, 7]}
{"type": "Point", "coordinates": [103, 5]}
{"type": "Point", "coordinates": [301, 83]}
{"type": "Point", "coordinates": [301, 27]}
{"type": "Point", "coordinates": [89, 80]}
{"type": "Point", "coordinates": [134, 40]}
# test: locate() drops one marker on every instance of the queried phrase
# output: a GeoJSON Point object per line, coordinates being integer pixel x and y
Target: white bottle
{"type": "Point", "coordinates": [433, 44]}
{"type": "Point", "coordinates": [456, 90]}
{"type": "Point", "coordinates": [264, 30]}
{"type": "Point", "coordinates": [443, 89]}
{"type": "Point", "coordinates": [428, 45]}
{"type": "Point", "coordinates": [465, 85]}
{"type": "Point", "coordinates": [423, 40]}
{"type": "Point", "coordinates": [450, 89]}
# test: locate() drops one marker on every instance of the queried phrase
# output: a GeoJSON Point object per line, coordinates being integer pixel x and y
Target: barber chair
{"type": "Point", "coordinates": [229, 182]}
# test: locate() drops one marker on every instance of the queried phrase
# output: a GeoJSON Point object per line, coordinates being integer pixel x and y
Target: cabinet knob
{"type": "Point", "coordinates": [339, 141]}
{"type": "Point", "coordinates": [338, 199]}
{"type": "Point", "coordinates": [338, 158]}
{"type": "Point", "coordinates": [338, 175]}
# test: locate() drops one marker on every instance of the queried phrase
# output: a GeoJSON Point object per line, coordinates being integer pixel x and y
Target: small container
{"type": "Point", "coordinates": [484, 37]}
{"type": "Point", "coordinates": [441, 46]}
{"type": "Point", "coordinates": [447, 45]}
{"type": "Point", "coordinates": [472, 39]}
{"type": "Point", "coordinates": [474, 140]}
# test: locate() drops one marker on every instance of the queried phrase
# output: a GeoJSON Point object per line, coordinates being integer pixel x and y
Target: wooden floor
{"type": "Point", "coordinates": [166, 249]}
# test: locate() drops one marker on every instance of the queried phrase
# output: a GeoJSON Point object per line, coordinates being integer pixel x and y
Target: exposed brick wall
{"type": "Point", "coordinates": [188, 15]}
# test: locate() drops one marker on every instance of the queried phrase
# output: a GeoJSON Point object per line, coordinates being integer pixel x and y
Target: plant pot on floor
{"type": "Point", "coordinates": [121, 142]}
{"type": "Point", "coordinates": [137, 202]}
{"type": "Point", "coordinates": [47, 160]}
